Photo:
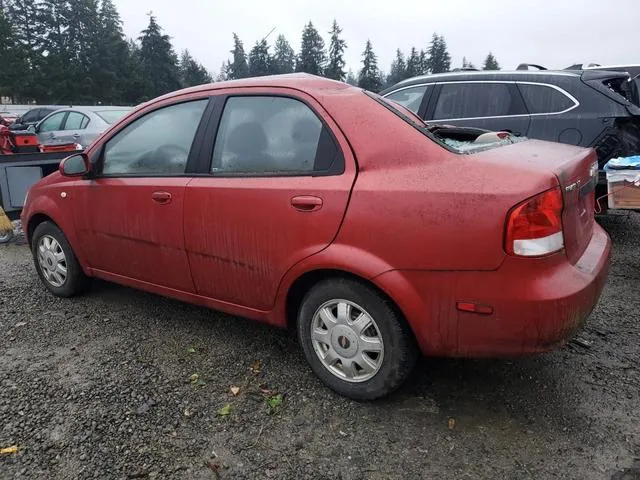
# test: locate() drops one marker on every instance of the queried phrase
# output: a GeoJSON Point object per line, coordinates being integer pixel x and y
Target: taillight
{"type": "Point", "coordinates": [534, 227]}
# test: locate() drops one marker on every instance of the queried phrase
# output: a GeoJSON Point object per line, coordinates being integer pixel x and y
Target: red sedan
{"type": "Point", "coordinates": [313, 205]}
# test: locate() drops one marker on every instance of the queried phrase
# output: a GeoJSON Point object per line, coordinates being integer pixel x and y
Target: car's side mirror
{"type": "Point", "coordinates": [75, 165]}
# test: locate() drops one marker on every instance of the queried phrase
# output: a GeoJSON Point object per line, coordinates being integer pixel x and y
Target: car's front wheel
{"type": "Point", "coordinates": [354, 339]}
{"type": "Point", "coordinates": [57, 265]}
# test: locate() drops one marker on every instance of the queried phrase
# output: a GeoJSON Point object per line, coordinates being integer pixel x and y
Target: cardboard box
{"type": "Point", "coordinates": [624, 189]}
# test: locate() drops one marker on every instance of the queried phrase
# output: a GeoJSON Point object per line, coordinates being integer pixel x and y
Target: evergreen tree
{"type": "Point", "coordinates": [414, 67]}
{"type": "Point", "coordinates": [337, 46]}
{"type": "Point", "coordinates": [369, 77]}
{"type": "Point", "coordinates": [134, 84]}
{"type": "Point", "coordinates": [466, 63]}
{"type": "Point", "coordinates": [423, 63]}
{"type": "Point", "coordinates": [238, 68]}
{"type": "Point", "coordinates": [312, 56]}
{"type": "Point", "coordinates": [259, 59]}
{"type": "Point", "coordinates": [159, 62]}
{"type": "Point", "coordinates": [490, 63]}
{"type": "Point", "coordinates": [351, 78]}
{"type": "Point", "coordinates": [111, 65]}
{"type": "Point", "coordinates": [25, 18]}
{"type": "Point", "coordinates": [223, 75]}
{"type": "Point", "coordinates": [11, 54]}
{"type": "Point", "coordinates": [398, 70]}
{"type": "Point", "coordinates": [439, 58]}
{"type": "Point", "coordinates": [192, 73]}
{"type": "Point", "coordinates": [284, 58]}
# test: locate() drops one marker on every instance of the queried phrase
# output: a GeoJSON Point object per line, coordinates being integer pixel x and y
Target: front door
{"type": "Point", "coordinates": [495, 106]}
{"type": "Point", "coordinates": [134, 208]}
{"type": "Point", "coordinates": [276, 190]}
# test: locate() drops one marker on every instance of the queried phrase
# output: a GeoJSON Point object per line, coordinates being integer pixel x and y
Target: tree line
{"type": "Point", "coordinates": [75, 51]}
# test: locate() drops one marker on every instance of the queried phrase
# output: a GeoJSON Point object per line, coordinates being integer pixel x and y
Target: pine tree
{"type": "Point", "coordinates": [351, 78]}
{"type": "Point", "coordinates": [133, 84]}
{"type": "Point", "coordinates": [490, 63]}
{"type": "Point", "coordinates": [259, 59]}
{"type": "Point", "coordinates": [423, 63]}
{"type": "Point", "coordinates": [398, 70]}
{"type": "Point", "coordinates": [284, 58]}
{"type": "Point", "coordinates": [111, 65]}
{"type": "Point", "coordinates": [439, 58]}
{"type": "Point", "coordinates": [192, 73]}
{"type": "Point", "coordinates": [159, 61]}
{"type": "Point", "coordinates": [414, 67]}
{"type": "Point", "coordinates": [11, 54]}
{"type": "Point", "coordinates": [25, 18]}
{"type": "Point", "coordinates": [238, 68]}
{"type": "Point", "coordinates": [223, 75]}
{"type": "Point", "coordinates": [369, 77]}
{"type": "Point", "coordinates": [312, 56]}
{"type": "Point", "coordinates": [337, 46]}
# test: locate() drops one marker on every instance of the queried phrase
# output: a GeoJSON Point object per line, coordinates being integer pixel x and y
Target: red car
{"type": "Point", "coordinates": [309, 204]}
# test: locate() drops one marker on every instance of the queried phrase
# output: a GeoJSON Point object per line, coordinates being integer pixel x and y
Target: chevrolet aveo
{"type": "Point", "coordinates": [309, 204]}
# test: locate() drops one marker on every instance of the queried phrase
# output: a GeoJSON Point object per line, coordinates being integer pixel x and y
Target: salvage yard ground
{"type": "Point", "coordinates": [122, 384]}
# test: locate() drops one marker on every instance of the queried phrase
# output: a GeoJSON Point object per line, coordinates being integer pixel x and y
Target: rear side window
{"type": "Point", "coordinates": [261, 135]}
{"type": "Point", "coordinates": [544, 99]}
{"type": "Point", "coordinates": [472, 100]}
{"type": "Point", "coordinates": [76, 121]}
{"type": "Point", "coordinates": [410, 98]}
{"type": "Point", "coordinates": [31, 116]}
{"type": "Point", "coordinates": [156, 144]}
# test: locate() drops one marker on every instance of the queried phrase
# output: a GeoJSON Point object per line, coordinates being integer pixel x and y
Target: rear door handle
{"type": "Point", "coordinates": [161, 197]}
{"type": "Point", "coordinates": [306, 203]}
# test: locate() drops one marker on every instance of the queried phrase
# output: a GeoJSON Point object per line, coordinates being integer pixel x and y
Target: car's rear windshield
{"type": "Point", "coordinates": [459, 140]}
{"type": "Point", "coordinates": [111, 116]}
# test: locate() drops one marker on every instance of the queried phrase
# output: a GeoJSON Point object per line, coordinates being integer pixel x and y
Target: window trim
{"type": "Point", "coordinates": [509, 82]}
{"type": "Point", "coordinates": [191, 166]}
{"type": "Point", "coordinates": [338, 167]}
{"type": "Point", "coordinates": [573, 99]}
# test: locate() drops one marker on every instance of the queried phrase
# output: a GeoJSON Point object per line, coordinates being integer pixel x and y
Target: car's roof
{"type": "Point", "coordinates": [300, 81]}
{"type": "Point", "coordinates": [536, 75]}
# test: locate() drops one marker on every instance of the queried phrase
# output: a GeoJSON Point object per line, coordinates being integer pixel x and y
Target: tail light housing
{"type": "Point", "coordinates": [534, 227]}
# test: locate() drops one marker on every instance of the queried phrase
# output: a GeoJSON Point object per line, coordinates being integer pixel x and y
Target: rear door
{"type": "Point", "coordinates": [49, 128]}
{"type": "Point", "coordinates": [73, 127]}
{"type": "Point", "coordinates": [491, 105]}
{"type": "Point", "coordinates": [275, 189]}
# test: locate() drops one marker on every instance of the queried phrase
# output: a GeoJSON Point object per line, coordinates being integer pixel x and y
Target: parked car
{"type": "Point", "coordinates": [32, 117]}
{"type": "Point", "coordinates": [77, 125]}
{"type": "Point", "coordinates": [310, 204]}
{"type": "Point", "coordinates": [589, 108]}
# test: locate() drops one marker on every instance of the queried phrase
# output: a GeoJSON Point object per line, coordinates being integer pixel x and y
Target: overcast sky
{"type": "Point", "coordinates": [553, 33]}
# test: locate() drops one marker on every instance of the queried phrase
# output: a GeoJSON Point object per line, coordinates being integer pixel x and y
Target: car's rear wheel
{"type": "Point", "coordinates": [354, 339]}
{"type": "Point", "coordinates": [55, 262]}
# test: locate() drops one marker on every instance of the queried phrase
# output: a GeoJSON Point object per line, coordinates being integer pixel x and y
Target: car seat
{"type": "Point", "coordinates": [248, 143]}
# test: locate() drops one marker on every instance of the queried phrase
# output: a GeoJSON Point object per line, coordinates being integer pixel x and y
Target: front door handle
{"type": "Point", "coordinates": [161, 197]}
{"type": "Point", "coordinates": [306, 203]}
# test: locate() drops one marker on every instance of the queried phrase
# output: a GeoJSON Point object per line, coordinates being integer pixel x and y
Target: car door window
{"type": "Point", "coordinates": [261, 135]}
{"type": "Point", "coordinates": [53, 123]}
{"type": "Point", "coordinates": [541, 99]}
{"type": "Point", "coordinates": [155, 144]}
{"type": "Point", "coordinates": [410, 98]}
{"type": "Point", "coordinates": [473, 100]}
{"type": "Point", "coordinates": [76, 121]}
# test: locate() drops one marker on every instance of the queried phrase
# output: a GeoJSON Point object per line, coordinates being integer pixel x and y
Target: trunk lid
{"type": "Point", "coordinates": [575, 169]}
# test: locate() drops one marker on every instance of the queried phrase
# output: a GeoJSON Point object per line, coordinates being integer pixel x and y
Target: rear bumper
{"type": "Point", "coordinates": [538, 304]}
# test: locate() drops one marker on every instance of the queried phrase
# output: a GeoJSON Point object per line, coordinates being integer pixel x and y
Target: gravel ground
{"type": "Point", "coordinates": [105, 386]}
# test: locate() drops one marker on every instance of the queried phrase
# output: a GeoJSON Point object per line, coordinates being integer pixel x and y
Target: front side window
{"type": "Point", "coordinates": [410, 98]}
{"type": "Point", "coordinates": [544, 99]}
{"type": "Point", "coordinates": [155, 144]}
{"type": "Point", "coordinates": [472, 100]}
{"type": "Point", "coordinates": [53, 123]}
{"type": "Point", "coordinates": [76, 121]}
{"type": "Point", "coordinates": [271, 135]}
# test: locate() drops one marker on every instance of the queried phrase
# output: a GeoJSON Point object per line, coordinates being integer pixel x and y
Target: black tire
{"type": "Point", "coordinates": [76, 281]}
{"type": "Point", "coordinates": [400, 349]}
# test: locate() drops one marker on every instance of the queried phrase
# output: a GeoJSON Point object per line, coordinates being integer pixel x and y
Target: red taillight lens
{"type": "Point", "coordinates": [534, 228]}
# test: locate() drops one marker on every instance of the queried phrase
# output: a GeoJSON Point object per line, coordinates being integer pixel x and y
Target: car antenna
{"type": "Point", "coordinates": [267, 35]}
